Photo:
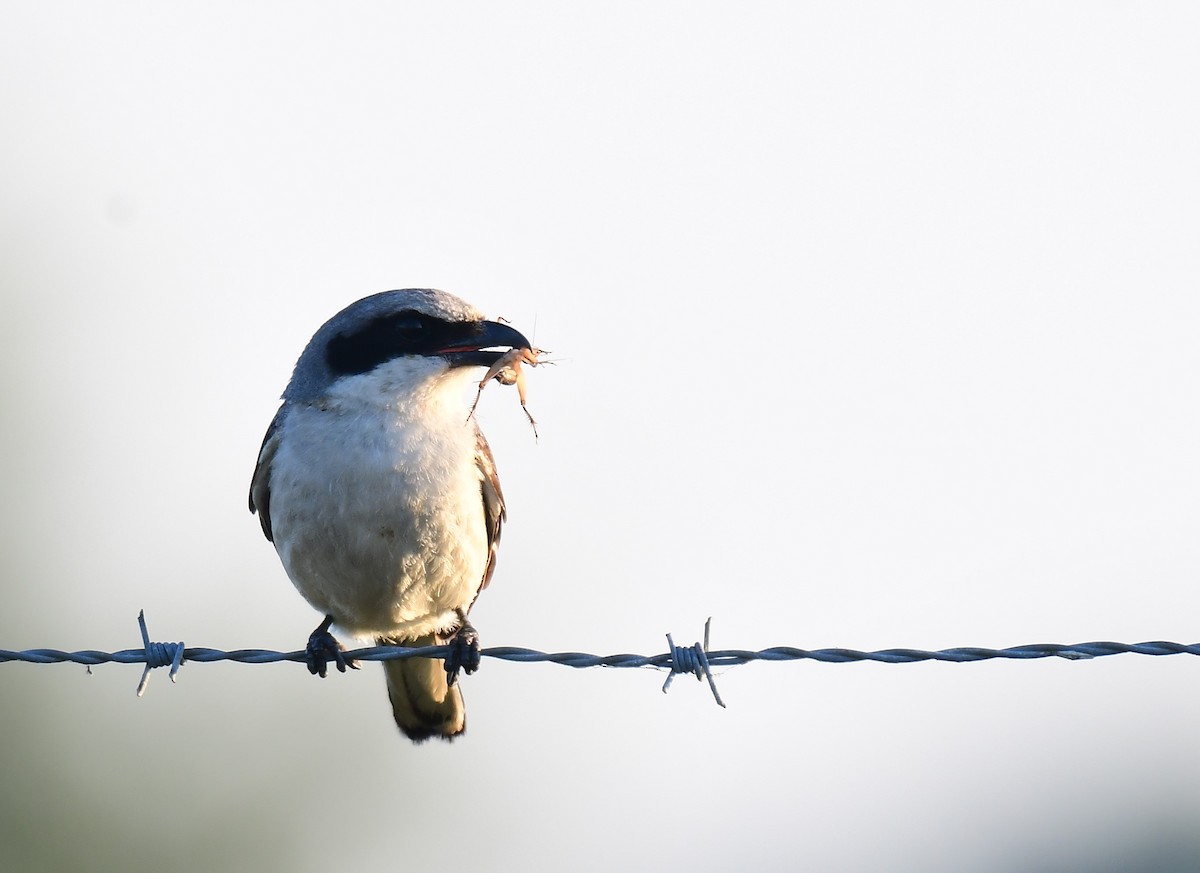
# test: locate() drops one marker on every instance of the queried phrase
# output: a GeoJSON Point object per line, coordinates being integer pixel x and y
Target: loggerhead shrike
{"type": "Point", "coordinates": [380, 493]}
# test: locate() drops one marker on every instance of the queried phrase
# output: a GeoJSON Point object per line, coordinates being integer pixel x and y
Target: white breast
{"type": "Point", "coordinates": [376, 506]}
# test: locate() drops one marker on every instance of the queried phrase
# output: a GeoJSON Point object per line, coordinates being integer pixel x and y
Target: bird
{"type": "Point", "coordinates": [380, 493]}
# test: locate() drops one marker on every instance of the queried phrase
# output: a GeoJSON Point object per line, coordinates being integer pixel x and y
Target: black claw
{"type": "Point", "coordinates": [464, 652]}
{"type": "Point", "coordinates": [323, 648]}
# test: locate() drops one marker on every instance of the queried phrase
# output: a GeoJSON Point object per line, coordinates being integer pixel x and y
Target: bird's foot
{"type": "Point", "coordinates": [323, 648]}
{"type": "Point", "coordinates": [464, 652]}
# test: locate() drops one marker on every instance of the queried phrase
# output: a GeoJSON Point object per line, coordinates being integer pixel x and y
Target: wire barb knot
{"type": "Point", "coordinates": [157, 655]}
{"type": "Point", "coordinates": [692, 659]}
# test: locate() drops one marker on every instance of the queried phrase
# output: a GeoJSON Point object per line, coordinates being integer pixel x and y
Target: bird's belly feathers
{"type": "Point", "coordinates": [378, 523]}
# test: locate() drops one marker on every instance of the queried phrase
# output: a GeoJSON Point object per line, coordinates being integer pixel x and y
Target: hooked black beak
{"type": "Point", "coordinates": [471, 350]}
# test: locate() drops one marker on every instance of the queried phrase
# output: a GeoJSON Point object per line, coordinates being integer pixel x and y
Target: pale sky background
{"type": "Point", "coordinates": [877, 326]}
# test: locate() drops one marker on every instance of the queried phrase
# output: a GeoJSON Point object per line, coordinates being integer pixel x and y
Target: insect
{"type": "Point", "coordinates": [506, 371]}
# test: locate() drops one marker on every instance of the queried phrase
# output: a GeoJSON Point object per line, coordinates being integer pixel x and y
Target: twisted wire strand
{"type": "Point", "coordinates": [716, 658]}
{"type": "Point", "coordinates": [696, 659]}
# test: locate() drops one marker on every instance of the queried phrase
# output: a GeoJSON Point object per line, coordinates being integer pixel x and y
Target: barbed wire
{"type": "Point", "coordinates": [696, 659]}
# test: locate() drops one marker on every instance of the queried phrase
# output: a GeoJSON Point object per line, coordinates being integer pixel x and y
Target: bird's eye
{"type": "Point", "coordinates": [408, 324]}
{"type": "Point", "coordinates": [379, 340]}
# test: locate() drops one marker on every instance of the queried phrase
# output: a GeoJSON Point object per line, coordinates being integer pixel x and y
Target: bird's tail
{"type": "Point", "coordinates": [423, 703]}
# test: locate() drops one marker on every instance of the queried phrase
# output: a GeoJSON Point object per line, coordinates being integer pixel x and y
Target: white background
{"type": "Point", "coordinates": [877, 326]}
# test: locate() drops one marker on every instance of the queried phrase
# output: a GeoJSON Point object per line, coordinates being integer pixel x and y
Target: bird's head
{"type": "Point", "coordinates": [398, 341]}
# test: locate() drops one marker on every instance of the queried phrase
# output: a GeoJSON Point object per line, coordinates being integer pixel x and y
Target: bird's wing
{"type": "Point", "coordinates": [260, 484]}
{"type": "Point", "coordinates": [493, 502]}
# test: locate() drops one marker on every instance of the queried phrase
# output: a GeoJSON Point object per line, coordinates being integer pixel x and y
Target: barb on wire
{"type": "Point", "coordinates": [696, 659]}
{"type": "Point", "coordinates": [157, 655]}
{"type": "Point", "coordinates": [692, 659]}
